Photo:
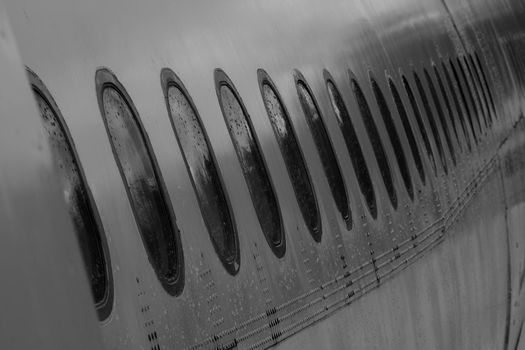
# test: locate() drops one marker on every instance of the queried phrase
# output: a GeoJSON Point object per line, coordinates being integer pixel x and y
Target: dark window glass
{"type": "Point", "coordinates": [81, 208]}
{"type": "Point", "coordinates": [447, 105]}
{"type": "Point", "coordinates": [394, 137]}
{"type": "Point", "coordinates": [252, 163]}
{"type": "Point", "coordinates": [143, 183]}
{"type": "Point", "coordinates": [292, 155]}
{"type": "Point", "coordinates": [201, 165]}
{"type": "Point", "coordinates": [375, 139]}
{"type": "Point", "coordinates": [431, 121]}
{"type": "Point", "coordinates": [322, 141]}
{"type": "Point", "coordinates": [457, 105]}
{"type": "Point", "coordinates": [480, 87]}
{"type": "Point", "coordinates": [420, 124]}
{"type": "Point", "coordinates": [475, 92]}
{"type": "Point", "coordinates": [353, 146]}
{"type": "Point", "coordinates": [486, 83]}
{"type": "Point", "coordinates": [468, 93]}
{"type": "Point", "coordinates": [464, 100]}
{"type": "Point", "coordinates": [441, 116]}
{"type": "Point", "coordinates": [408, 129]}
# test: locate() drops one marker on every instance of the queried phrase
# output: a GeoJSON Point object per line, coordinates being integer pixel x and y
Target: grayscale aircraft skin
{"type": "Point", "coordinates": [248, 174]}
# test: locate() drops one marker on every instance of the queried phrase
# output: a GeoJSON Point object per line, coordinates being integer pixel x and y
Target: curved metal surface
{"type": "Point", "coordinates": [44, 283]}
{"type": "Point", "coordinates": [432, 272]}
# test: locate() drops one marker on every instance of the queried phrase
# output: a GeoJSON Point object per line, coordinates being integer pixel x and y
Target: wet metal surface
{"type": "Point", "coordinates": [44, 283]}
{"type": "Point", "coordinates": [435, 245]}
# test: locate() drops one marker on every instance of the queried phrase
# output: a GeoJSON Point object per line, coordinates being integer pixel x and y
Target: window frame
{"type": "Point", "coordinates": [105, 78]}
{"type": "Point", "coordinates": [299, 79]}
{"type": "Point", "coordinates": [400, 155]}
{"type": "Point", "coordinates": [391, 190]}
{"type": "Point", "coordinates": [426, 100]}
{"type": "Point", "coordinates": [370, 203]}
{"type": "Point", "coordinates": [168, 80]}
{"type": "Point", "coordinates": [223, 80]}
{"type": "Point", "coordinates": [415, 148]}
{"type": "Point", "coordinates": [317, 230]}
{"type": "Point", "coordinates": [105, 306]}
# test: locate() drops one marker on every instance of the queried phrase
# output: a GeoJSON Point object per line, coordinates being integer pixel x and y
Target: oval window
{"type": "Point", "coordinates": [324, 147]}
{"type": "Point", "coordinates": [375, 140]}
{"type": "Point", "coordinates": [441, 118]}
{"type": "Point", "coordinates": [457, 106]}
{"type": "Point", "coordinates": [78, 199]}
{"type": "Point", "coordinates": [408, 129]}
{"type": "Point", "coordinates": [420, 124]}
{"type": "Point", "coordinates": [478, 89]}
{"type": "Point", "coordinates": [473, 91]}
{"type": "Point", "coordinates": [447, 104]}
{"type": "Point", "coordinates": [202, 167]}
{"type": "Point", "coordinates": [468, 93]}
{"type": "Point", "coordinates": [292, 155]}
{"type": "Point", "coordinates": [142, 180]}
{"type": "Point", "coordinates": [352, 144]}
{"type": "Point", "coordinates": [486, 83]}
{"type": "Point", "coordinates": [431, 121]}
{"type": "Point", "coordinates": [252, 163]}
{"type": "Point", "coordinates": [464, 100]}
{"type": "Point", "coordinates": [394, 137]}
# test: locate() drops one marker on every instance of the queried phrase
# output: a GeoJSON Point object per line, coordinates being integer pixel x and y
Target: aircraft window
{"type": "Point", "coordinates": [432, 122]}
{"type": "Point", "coordinates": [447, 103]}
{"type": "Point", "coordinates": [252, 163]}
{"type": "Point", "coordinates": [77, 196]}
{"type": "Point", "coordinates": [394, 137]}
{"type": "Point", "coordinates": [457, 105]}
{"type": "Point", "coordinates": [420, 124]}
{"type": "Point", "coordinates": [141, 176]}
{"type": "Point", "coordinates": [480, 90]}
{"type": "Point", "coordinates": [485, 82]}
{"type": "Point", "coordinates": [441, 116]}
{"type": "Point", "coordinates": [408, 129]}
{"type": "Point", "coordinates": [475, 108]}
{"type": "Point", "coordinates": [292, 155]}
{"type": "Point", "coordinates": [201, 165]}
{"type": "Point", "coordinates": [375, 139]}
{"type": "Point", "coordinates": [474, 91]}
{"type": "Point", "coordinates": [322, 141]}
{"type": "Point", "coordinates": [353, 146]}
{"type": "Point", "coordinates": [464, 100]}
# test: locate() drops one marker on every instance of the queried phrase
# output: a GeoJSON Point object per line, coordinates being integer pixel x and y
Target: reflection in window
{"type": "Point", "coordinates": [353, 146]}
{"type": "Point", "coordinates": [408, 129]}
{"type": "Point", "coordinates": [441, 116]}
{"type": "Point", "coordinates": [432, 122]}
{"type": "Point", "coordinates": [155, 220]}
{"type": "Point", "coordinates": [79, 204]}
{"type": "Point", "coordinates": [375, 139]}
{"type": "Point", "coordinates": [420, 124]}
{"type": "Point", "coordinates": [292, 155]}
{"type": "Point", "coordinates": [324, 147]}
{"type": "Point", "coordinates": [394, 137]}
{"type": "Point", "coordinates": [252, 164]}
{"type": "Point", "coordinates": [200, 163]}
